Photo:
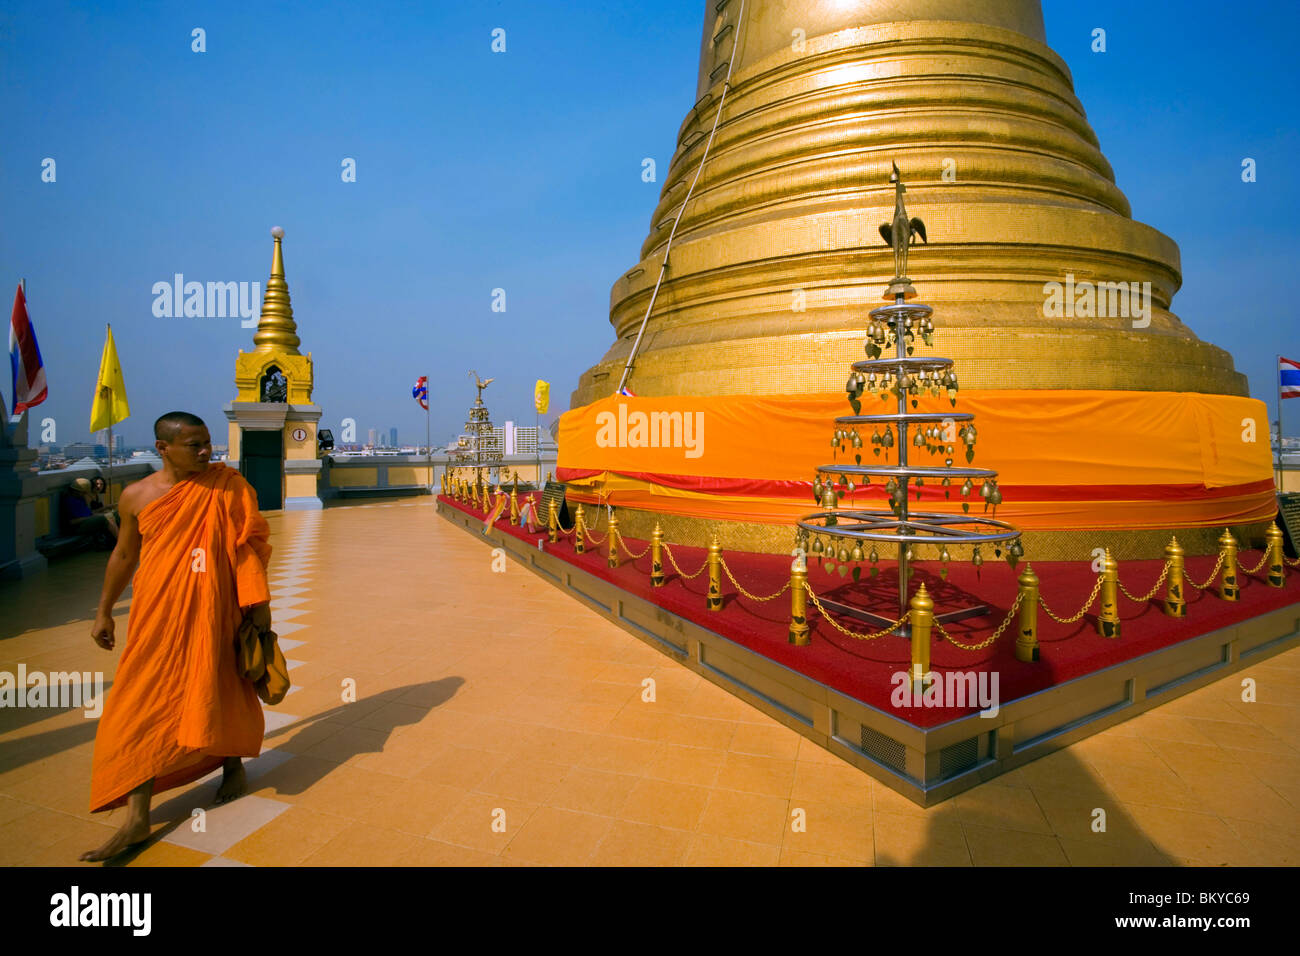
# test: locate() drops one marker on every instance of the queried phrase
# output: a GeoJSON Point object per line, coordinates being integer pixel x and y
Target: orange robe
{"type": "Point", "coordinates": [178, 704]}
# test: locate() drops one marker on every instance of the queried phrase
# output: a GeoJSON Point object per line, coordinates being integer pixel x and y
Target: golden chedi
{"type": "Point", "coordinates": [272, 420]}
{"type": "Point", "coordinates": [1109, 420]}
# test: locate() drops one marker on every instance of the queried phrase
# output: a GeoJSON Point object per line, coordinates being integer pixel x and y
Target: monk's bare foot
{"type": "Point", "coordinates": [130, 834]}
{"type": "Point", "coordinates": [233, 781]}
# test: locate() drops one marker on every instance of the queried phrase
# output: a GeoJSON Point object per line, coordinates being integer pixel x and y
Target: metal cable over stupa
{"type": "Point", "coordinates": [838, 535]}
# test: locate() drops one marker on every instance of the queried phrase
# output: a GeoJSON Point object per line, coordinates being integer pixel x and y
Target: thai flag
{"type": "Point", "coordinates": [1288, 378]}
{"type": "Point", "coordinates": [420, 391]}
{"type": "Point", "coordinates": [626, 391]}
{"type": "Point", "coordinates": [25, 358]}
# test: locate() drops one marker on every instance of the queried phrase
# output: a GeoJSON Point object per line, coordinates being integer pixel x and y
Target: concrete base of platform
{"type": "Point", "coordinates": [925, 765]}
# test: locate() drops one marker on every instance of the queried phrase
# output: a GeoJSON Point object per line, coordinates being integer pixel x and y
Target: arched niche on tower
{"type": "Point", "coordinates": [273, 385]}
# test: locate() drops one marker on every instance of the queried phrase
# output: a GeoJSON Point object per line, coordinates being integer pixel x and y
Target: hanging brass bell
{"type": "Point", "coordinates": [817, 546]}
{"type": "Point", "coordinates": [857, 553]}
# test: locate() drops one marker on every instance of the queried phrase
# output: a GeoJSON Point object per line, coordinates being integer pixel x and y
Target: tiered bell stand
{"type": "Point", "coordinates": [840, 534]}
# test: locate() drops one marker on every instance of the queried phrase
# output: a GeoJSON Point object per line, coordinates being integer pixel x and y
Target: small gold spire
{"type": "Point", "coordinates": [276, 329]}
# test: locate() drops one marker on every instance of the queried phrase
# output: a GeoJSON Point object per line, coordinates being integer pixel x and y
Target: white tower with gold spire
{"type": "Point", "coordinates": [272, 419]}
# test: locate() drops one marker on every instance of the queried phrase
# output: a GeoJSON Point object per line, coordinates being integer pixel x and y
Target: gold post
{"type": "Point", "coordinates": [1108, 619]}
{"type": "Point", "coordinates": [657, 557]}
{"type": "Point", "coordinates": [1027, 640]}
{"type": "Point", "coordinates": [1228, 589]}
{"type": "Point", "coordinates": [613, 540]}
{"type": "Point", "coordinates": [714, 601]}
{"type": "Point", "coordinates": [552, 521]}
{"type": "Point", "coordinates": [922, 614]}
{"type": "Point", "coordinates": [1275, 571]}
{"type": "Point", "coordinates": [1175, 606]}
{"type": "Point", "coordinates": [800, 633]}
{"type": "Point", "coordinates": [579, 531]}
{"type": "Point", "coordinates": [514, 504]}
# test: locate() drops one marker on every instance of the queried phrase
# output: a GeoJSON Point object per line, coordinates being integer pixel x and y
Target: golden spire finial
{"type": "Point", "coordinates": [276, 328]}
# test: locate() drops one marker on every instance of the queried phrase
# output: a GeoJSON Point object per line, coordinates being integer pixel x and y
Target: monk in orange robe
{"type": "Point", "coordinates": [178, 707]}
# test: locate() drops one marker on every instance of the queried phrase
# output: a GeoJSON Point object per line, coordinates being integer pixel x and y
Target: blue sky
{"type": "Point", "coordinates": [519, 171]}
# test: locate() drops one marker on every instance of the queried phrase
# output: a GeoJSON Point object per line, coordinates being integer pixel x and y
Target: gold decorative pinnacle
{"type": "Point", "coordinates": [276, 330]}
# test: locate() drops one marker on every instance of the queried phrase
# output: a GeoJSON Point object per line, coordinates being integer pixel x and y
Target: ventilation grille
{"type": "Point", "coordinates": [884, 749]}
{"type": "Point", "coordinates": [957, 757]}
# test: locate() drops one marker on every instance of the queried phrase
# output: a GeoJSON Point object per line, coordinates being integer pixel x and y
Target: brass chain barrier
{"type": "Point", "coordinates": [673, 561]}
{"type": "Point", "coordinates": [753, 597]}
{"type": "Point", "coordinates": [1015, 609]}
{"type": "Point", "coordinates": [1210, 580]}
{"type": "Point", "coordinates": [1294, 564]}
{"type": "Point", "coordinates": [1083, 610]}
{"type": "Point", "coordinates": [844, 630]}
{"type": "Point", "coordinates": [1262, 561]}
{"type": "Point", "coordinates": [593, 539]}
{"type": "Point", "coordinates": [630, 553]}
{"type": "Point", "coordinates": [1152, 593]}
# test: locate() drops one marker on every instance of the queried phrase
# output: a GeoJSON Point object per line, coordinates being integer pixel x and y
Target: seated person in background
{"type": "Point", "coordinates": [81, 520]}
{"type": "Point", "coordinates": [99, 490]}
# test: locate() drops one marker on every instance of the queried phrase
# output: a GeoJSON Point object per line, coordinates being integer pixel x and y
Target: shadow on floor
{"type": "Point", "coordinates": [1053, 811]}
{"type": "Point", "coordinates": [417, 701]}
{"type": "Point", "coordinates": [280, 773]}
{"type": "Point", "coordinates": [68, 591]}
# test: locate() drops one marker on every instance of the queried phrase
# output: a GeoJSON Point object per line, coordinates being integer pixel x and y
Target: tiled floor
{"type": "Point", "coordinates": [498, 722]}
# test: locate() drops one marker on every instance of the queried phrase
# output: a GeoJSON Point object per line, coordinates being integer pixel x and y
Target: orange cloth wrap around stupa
{"type": "Point", "coordinates": [1066, 459]}
{"type": "Point", "coordinates": [178, 705]}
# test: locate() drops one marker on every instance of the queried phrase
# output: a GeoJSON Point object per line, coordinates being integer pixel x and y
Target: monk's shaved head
{"type": "Point", "coordinates": [169, 426]}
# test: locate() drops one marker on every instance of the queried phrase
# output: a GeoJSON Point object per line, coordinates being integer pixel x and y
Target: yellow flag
{"type": "Point", "coordinates": [109, 406]}
{"type": "Point", "coordinates": [542, 397]}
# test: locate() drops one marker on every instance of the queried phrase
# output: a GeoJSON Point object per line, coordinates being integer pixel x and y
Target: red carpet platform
{"type": "Point", "coordinates": [863, 669]}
